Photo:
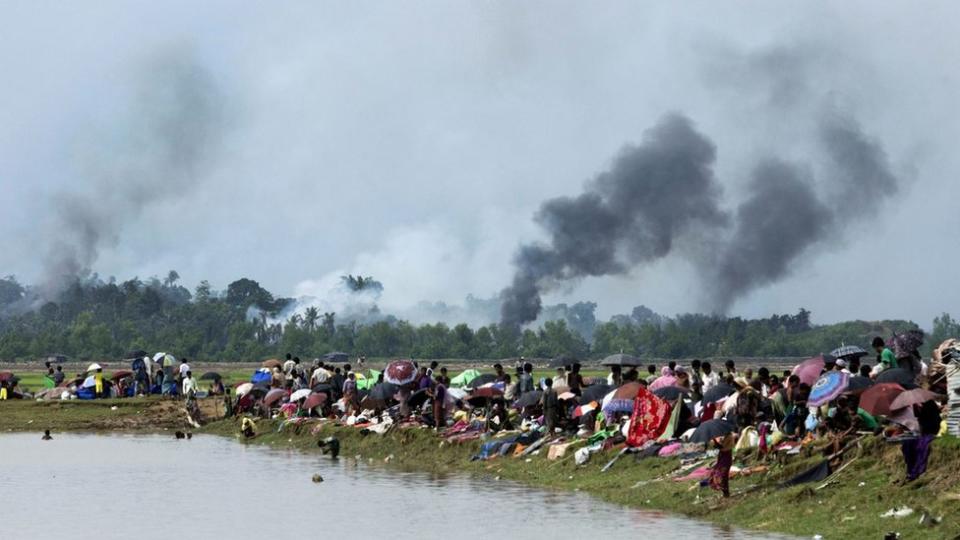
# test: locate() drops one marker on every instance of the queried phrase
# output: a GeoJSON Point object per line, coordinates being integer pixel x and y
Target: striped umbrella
{"type": "Point", "coordinates": [400, 372]}
{"type": "Point", "coordinates": [828, 388]}
{"type": "Point", "coordinates": [621, 399]}
{"type": "Point", "coordinates": [849, 351]}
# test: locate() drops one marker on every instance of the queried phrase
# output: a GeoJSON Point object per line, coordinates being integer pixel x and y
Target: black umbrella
{"type": "Point", "coordinates": [718, 392]}
{"type": "Point", "coordinates": [896, 375]}
{"type": "Point", "coordinates": [210, 376]}
{"type": "Point", "coordinates": [418, 398]}
{"type": "Point", "coordinates": [622, 360]}
{"type": "Point", "coordinates": [670, 393]}
{"type": "Point", "coordinates": [858, 384]}
{"type": "Point", "coordinates": [528, 399]}
{"type": "Point", "coordinates": [135, 354]}
{"type": "Point", "coordinates": [563, 361]}
{"type": "Point", "coordinates": [381, 395]}
{"type": "Point", "coordinates": [481, 380]}
{"type": "Point", "coordinates": [323, 387]}
{"type": "Point", "coordinates": [259, 389]}
{"type": "Point", "coordinates": [595, 392]}
{"type": "Point", "coordinates": [711, 429]}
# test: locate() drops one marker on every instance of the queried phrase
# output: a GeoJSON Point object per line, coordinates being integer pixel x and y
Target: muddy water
{"type": "Point", "coordinates": [155, 487]}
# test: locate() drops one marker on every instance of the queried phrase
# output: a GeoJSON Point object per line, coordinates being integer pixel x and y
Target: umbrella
{"type": "Point", "coordinates": [481, 395]}
{"type": "Point", "coordinates": [210, 376]}
{"type": "Point", "coordinates": [135, 354]}
{"type": "Point", "coordinates": [481, 380]}
{"type": "Point", "coordinates": [858, 383]}
{"type": "Point", "coordinates": [323, 387]}
{"type": "Point", "coordinates": [418, 398]}
{"type": "Point", "coordinates": [849, 351]}
{"type": "Point", "coordinates": [528, 399]}
{"type": "Point", "coordinates": [711, 429]}
{"type": "Point", "coordinates": [563, 360]}
{"type": "Point", "coordinates": [315, 400]}
{"type": "Point", "coordinates": [5, 375]}
{"type": "Point", "coordinates": [274, 396]}
{"type": "Point", "coordinates": [117, 375]}
{"type": "Point", "coordinates": [260, 389]}
{"type": "Point", "coordinates": [93, 367]}
{"type": "Point", "coordinates": [896, 375]}
{"type": "Point", "coordinates": [400, 372]}
{"type": "Point", "coordinates": [164, 359]}
{"type": "Point", "coordinates": [595, 392]}
{"type": "Point", "coordinates": [907, 343]}
{"type": "Point", "coordinates": [828, 388]}
{"type": "Point", "coordinates": [718, 392]}
{"type": "Point", "coordinates": [566, 396]}
{"type": "Point", "coordinates": [670, 393]}
{"type": "Point", "coordinates": [663, 381]}
{"type": "Point", "coordinates": [809, 370]}
{"type": "Point", "coordinates": [243, 389]}
{"type": "Point", "coordinates": [621, 399]}
{"type": "Point", "coordinates": [380, 396]}
{"type": "Point", "coordinates": [300, 394]}
{"type": "Point", "coordinates": [916, 396]}
{"type": "Point", "coordinates": [89, 382]}
{"type": "Point", "coordinates": [876, 400]}
{"type": "Point", "coordinates": [585, 409]}
{"type": "Point", "coordinates": [337, 356]}
{"type": "Point", "coordinates": [464, 377]}
{"type": "Point", "coordinates": [272, 363]}
{"type": "Point", "coordinates": [621, 360]}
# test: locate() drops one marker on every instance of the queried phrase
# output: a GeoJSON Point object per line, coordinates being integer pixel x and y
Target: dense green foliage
{"type": "Point", "coordinates": [94, 319]}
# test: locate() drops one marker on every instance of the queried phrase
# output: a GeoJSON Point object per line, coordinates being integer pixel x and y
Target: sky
{"type": "Point", "coordinates": [414, 141]}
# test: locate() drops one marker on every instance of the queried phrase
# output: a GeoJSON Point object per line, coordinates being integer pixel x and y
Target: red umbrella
{"type": "Point", "coordinates": [809, 370]}
{"type": "Point", "coordinates": [315, 400]}
{"type": "Point", "coordinates": [877, 399]}
{"type": "Point", "coordinates": [400, 372]}
{"type": "Point", "coordinates": [5, 375]}
{"type": "Point", "coordinates": [486, 392]}
{"type": "Point", "coordinates": [917, 396]}
{"type": "Point", "coordinates": [274, 396]}
{"type": "Point", "coordinates": [272, 363]}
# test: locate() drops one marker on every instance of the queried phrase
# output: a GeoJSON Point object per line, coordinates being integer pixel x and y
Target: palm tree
{"type": "Point", "coordinates": [310, 317]}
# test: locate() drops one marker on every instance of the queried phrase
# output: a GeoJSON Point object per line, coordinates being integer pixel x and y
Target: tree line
{"type": "Point", "coordinates": [103, 320]}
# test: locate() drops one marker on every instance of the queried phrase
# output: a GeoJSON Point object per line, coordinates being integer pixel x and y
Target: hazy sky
{"type": "Point", "coordinates": [413, 141]}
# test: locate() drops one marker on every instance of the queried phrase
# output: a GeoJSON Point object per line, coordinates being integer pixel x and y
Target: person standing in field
{"type": "Point", "coordinates": [98, 382]}
{"type": "Point", "coordinates": [439, 394]}
{"type": "Point", "coordinates": [549, 402]}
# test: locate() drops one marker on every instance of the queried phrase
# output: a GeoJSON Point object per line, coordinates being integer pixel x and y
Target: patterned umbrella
{"type": "Point", "coordinates": [907, 343]}
{"type": "Point", "coordinates": [400, 372]}
{"type": "Point", "coordinates": [849, 351]}
{"type": "Point", "coordinates": [828, 388]}
{"type": "Point", "coordinates": [663, 381]}
{"type": "Point", "coordinates": [621, 399]}
{"type": "Point", "coordinates": [876, 400]}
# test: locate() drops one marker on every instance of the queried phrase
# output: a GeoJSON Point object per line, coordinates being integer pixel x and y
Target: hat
{"type": "Point", "coordinates": [841, 362]}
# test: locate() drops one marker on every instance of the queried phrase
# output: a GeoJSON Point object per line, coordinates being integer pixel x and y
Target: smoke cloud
{"type": "Point", "coordinates": [166, 144]}
{"type": "Point", "coordinates": [634, 213]}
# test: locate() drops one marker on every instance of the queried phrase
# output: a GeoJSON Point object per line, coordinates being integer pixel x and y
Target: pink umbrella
{"type": "Point", "coordinates": [315, 400]}
{"type": "Point", "coordinates": [663, 381]}
{"type": "Point", "coordinates": [400, 372]}
{"type": "Point", "coordinates": [274, 396]}
{"type": "Point", "coordinates": [809, 370]}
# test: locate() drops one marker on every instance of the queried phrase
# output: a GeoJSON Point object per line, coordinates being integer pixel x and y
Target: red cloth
{"type": "Point", "coordinates": [649, 420]}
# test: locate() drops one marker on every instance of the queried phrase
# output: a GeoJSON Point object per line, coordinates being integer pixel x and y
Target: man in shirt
{"type": "Point", "coordinates": [550, 402]}
{"type": "Point", "coordinates": [184, 368]}
{"type": "Point", "coordinates": [696, 381]}
{"type": "Point", "coordinates": [884, 355]}
{"type": "Point", "coordinates": [526, 380]}
{"type": "Point", "coordinates": [710, 379]}
{"type": "Point", "coordinates": [58, 376]}
{"type": "Point", "coordinates": [189, 387]}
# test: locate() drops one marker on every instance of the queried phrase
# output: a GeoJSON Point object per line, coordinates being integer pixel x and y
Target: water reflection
{"type": "Point", "coordinates": [213, 487]}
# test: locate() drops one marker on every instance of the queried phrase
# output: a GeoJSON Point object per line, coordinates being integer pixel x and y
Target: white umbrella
{"type": "Point", "coordinates": [159, 356]}
{"type": "Point", "coordinates": [89, 382]}
{"type": "Point", "coordinates": [300, 394]}
{"type": "Point", "coordinates": [244, 389]}
{"type": "Point", "coordinates": [94, 366]}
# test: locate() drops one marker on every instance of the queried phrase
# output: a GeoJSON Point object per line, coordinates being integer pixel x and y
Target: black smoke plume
{"type": "Point", "coordinates": [631, 214]}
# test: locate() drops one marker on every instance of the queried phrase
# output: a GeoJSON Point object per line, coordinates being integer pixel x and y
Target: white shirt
{"type": "Point", "coordinates": [184, 368]}
{"type": "Point", "coordinates": [709, 380]}
{"type": "Point", "coordinates": [189, 386]}
{"type": "Point", "coordinates": [320, 375]}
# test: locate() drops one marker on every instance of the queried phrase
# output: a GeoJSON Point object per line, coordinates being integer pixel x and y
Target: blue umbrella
{"type": "Point", "coordinates": [828, 388]}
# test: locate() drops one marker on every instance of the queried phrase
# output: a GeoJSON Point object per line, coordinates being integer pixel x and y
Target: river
{"type": "Point", "coordinates": [156, 487]}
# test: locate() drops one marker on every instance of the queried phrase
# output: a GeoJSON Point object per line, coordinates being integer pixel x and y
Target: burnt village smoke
{"type": "Point", "coordinates": [663, 190]}
{"type": "Point", "coordinates": [165, 144]}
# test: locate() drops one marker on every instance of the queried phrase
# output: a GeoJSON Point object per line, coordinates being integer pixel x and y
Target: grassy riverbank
{"type": "Point", "coordinates": [843, 509]}
{"type": "Point", "coordinates": [849, 507]}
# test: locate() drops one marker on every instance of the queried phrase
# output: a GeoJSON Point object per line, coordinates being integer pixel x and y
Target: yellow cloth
{"type": "Point", "coordinates": [98, 380]}
{"type": "Point", "coordinates": [3, 394]}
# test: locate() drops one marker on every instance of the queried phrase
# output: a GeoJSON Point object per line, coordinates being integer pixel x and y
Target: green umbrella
{"type": "Point", "coordinates": [464, 378]}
